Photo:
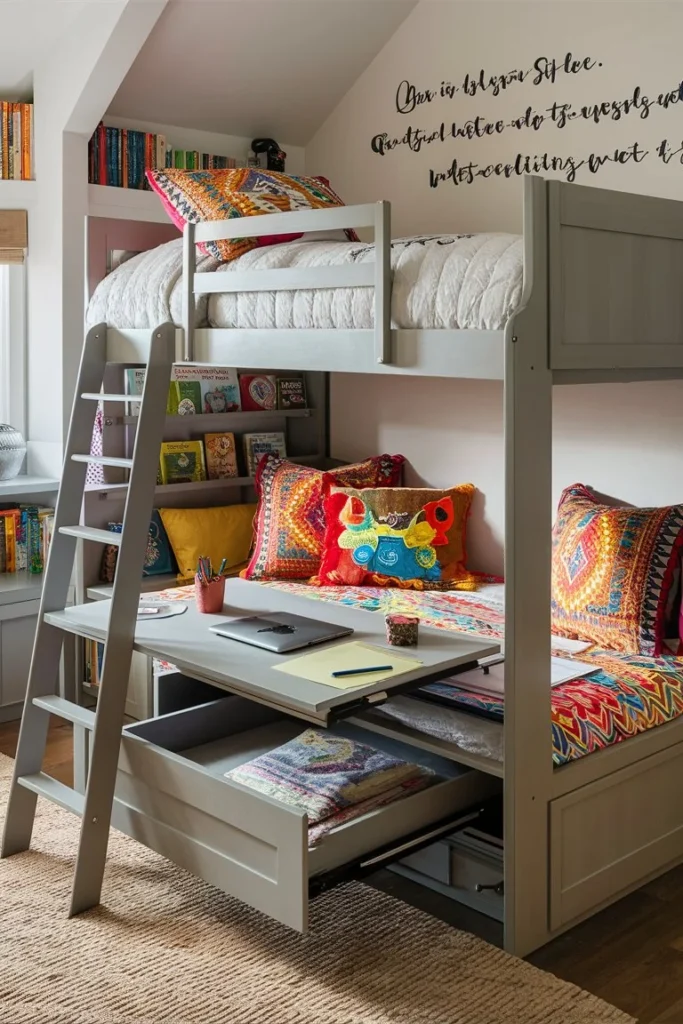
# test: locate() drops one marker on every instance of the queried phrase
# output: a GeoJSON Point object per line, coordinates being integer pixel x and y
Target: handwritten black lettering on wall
{"type": "Point", "coordinates": [559, 114]}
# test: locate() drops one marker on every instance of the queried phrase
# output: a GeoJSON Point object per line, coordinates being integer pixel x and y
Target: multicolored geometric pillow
{"type": "Point", "coordinates": [196, 197]}
{"type": "Point", "coordinates": [612, 571]}
{"type": "Point", "coordinates": [410, 537]}
{"type": "Point", "coordinates": [290, 525]}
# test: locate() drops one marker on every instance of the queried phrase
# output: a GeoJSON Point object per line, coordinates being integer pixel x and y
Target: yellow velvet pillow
{"type": "Point", "coordinates": [216, 533]}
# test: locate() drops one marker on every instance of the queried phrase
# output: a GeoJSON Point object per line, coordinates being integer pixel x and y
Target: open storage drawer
{"type": "Point", "coordinates": [172, 795]}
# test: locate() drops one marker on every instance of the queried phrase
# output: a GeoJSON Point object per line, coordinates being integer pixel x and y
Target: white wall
{"type": "Point", "coordinates": [624, 440]}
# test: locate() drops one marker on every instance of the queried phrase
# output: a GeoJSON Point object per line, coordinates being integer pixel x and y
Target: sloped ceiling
{"type": "Point", "coordinates": [28, 29]}
{"type": "Point", "coordinates": [257, 68]}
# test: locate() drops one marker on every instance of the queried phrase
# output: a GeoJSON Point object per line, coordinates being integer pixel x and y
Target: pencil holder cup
{"type": "Point", "coordinates": [209, 596]}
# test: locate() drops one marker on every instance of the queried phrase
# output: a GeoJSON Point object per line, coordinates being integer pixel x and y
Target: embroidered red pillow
{"type": "Point", "coordinates": [289, 525]}
{"type": "Point", "coordinates": [410, 537]}
{"type": "Point", "coordinates": [612, 570]}
{"type": "Point", "coordinates": [196, 197]}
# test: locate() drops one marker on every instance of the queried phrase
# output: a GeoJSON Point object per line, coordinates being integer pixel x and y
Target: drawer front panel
{"type": "Point", "coordinates": [246, 844]}
{"type": "Point", "coordinates": [172, 795]}
{"type": "Point", "coordinates": [634, 819]}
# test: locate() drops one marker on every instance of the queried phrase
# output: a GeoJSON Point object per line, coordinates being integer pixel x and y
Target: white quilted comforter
{"type": "Point", "coordinates": [466, 282]}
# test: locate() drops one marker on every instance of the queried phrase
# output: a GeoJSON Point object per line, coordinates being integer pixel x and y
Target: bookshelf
{"type": "Point", "coordinates": [20, 600]}
{"type": "Point", "coordinates": [307, 444]}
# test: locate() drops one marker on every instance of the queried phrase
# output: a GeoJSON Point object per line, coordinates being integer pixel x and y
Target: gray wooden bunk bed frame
{"type": "Point", "coordinates": [602, 302]}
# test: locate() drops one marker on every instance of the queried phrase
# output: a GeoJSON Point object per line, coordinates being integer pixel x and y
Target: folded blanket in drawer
{"type": "Point", "coordinates": [317, 832]}
{"type": "Point", "coordinates": [324, 774]}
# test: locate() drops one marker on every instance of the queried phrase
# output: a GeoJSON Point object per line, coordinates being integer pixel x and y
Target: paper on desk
{"type": "Point", "coordinates": [319, 665]}
{"type": "Point", "coordinates": [561, 643]}
{"type": "Point", "coordinates": [562, 670]}
{"type": "Point", "coordinates": [557, 643]}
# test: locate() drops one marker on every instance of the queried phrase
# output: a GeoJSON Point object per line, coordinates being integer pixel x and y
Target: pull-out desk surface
{"type": "Point", "coordinates": [186, 641]}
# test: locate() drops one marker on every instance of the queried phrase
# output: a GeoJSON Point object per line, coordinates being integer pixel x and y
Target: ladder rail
{"type": "Point", "coordinates": [29, 781]}
{"type": "Point", "coordinates": [44, 665]}
{"type": "Point", "coordinates": [109, 716]}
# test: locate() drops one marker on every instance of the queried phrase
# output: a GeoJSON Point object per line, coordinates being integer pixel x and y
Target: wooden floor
{"type": "Point", "coordinates": [631, 954]}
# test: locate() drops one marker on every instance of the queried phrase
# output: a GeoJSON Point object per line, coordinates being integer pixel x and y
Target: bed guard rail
{"type": "Point", "coordinates": [376, 274]}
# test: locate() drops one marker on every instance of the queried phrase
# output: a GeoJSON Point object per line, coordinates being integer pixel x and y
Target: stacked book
{"type": "Point", "coordinates": [215, 457]}
{"type": "Point", "coordinates": [16, 141]}
{"type": "Point", "coordinates": [120, 157]}
{"type": "Point", "coordinates": [14, 535]}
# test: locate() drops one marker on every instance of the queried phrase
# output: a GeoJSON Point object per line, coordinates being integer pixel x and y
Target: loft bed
{"type": "Point", "coordinates": [600, 301]}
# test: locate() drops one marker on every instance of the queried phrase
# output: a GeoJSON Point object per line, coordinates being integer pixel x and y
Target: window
{"type": "Point", "coordinates": [12, 346]}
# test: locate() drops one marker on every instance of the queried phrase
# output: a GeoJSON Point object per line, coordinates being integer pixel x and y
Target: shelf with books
{"type": "Point", "coordinates": [240, 420]}
{"type": "Point", "coordinates": [16, 141]}
{"type": "Point", "coordinates": [20, 486]}
{"type": "Point", "coordinates": [125, 204]}
{"type": "Point", "coordinates": [204, 486]}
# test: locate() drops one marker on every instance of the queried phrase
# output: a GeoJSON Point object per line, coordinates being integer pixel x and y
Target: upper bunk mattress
{"type": "Point", "coordinates": [452, 282]}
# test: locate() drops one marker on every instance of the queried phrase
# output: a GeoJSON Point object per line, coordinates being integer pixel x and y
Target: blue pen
{"type": "Point", "coordinates": [362, 671]}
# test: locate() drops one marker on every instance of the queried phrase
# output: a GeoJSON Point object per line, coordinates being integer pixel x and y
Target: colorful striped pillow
{"type": "Point", "coordinates": [196, 197]}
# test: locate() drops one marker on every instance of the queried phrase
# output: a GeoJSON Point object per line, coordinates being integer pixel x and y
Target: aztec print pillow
{"type": "Point", "coordinates": [290, 525]}
{"type": "Point", "coordinates": [410, 537]}
{"type": "Point", "coordinates": [196, 197]}
{"type": "Point", "coordinates": [612, 571]}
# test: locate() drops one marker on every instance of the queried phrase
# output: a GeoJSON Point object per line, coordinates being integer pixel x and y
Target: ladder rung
{"type": "Point", "coordinates": [91, 533]}
{"type": "Point", "coordinates": [67, 709]}
{"type": "Point", "coordinates": [104, 460]}
{"type": "Point", "coordinates": [97, 396]}
{"type": "Point", "coordinates": [57, 792]}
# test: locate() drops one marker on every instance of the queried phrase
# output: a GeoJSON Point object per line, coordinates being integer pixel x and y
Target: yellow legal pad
{"type": "Point", "coordinates": [319, 666]}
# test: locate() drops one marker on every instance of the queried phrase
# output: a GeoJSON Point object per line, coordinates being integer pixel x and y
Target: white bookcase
{"type": "Point", "coordinates": [19, 602]}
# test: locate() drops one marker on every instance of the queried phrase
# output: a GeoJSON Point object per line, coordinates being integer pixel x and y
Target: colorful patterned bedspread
{"type": "Point", "coordinates": [623, 697]}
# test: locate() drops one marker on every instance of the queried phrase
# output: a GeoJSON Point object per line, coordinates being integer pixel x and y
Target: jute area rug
{"type": "Point", "coordinates": [166, 948]}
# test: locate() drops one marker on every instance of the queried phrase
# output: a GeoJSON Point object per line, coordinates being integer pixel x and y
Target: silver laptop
{"type": "Point", "coordinates": [280, 633]}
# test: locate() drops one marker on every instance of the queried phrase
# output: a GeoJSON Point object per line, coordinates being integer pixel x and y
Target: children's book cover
{"type": "Point", "coordinates": [220, 389]}
{"type": "Point", "coordinates": [221, 456]}
{"type": "Point", "coordinates": [182, 462]}
{"type": "Point", "coordinates": [258, 391]}
{"type": "Point", "coordinates": [134, 383]}
{"type": "Point", "coordinates": [188, 391]}
{"type": "Point", "coordinates": [258, 445]}
{"type": "Point", "coordinates": [291, 393]}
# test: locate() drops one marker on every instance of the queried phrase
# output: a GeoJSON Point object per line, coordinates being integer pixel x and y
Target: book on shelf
{"type": "Point", "coordinates": [291, 393]}
{"type": "Point", "coordinates": [186, 391]}
{"type": "Point", "coordinates": [182, 462]}
{"type": "Point", "coordinates": [192, 390]}
{"type": "Point", "coordinates": [14, 554]}
{"type": "Point", "coordinates": [221, 456]}
{"type": "Point", "coordinates": [122, 156]}
{"type": "Point", "coordinates": [220, 389]}
{"type": "Point", "coordinates": [16, 141]}
{"type": "Point", "coordinates": [258, 445]}
{"type": "Point", "coordinates": [94, 657]}
{"type": "Point", "coordinates": [258, 392]}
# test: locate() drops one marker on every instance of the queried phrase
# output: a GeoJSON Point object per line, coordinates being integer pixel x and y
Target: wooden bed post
{"type": "Point", "coordinates": [528, 520]}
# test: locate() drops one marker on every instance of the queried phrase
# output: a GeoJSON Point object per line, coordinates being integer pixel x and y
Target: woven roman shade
{"type": "Point", "coordinates": [13, 235]}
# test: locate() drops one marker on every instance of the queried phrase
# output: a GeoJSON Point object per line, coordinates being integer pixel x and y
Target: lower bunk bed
{"type": "Point", "coordinates": [626, 696]}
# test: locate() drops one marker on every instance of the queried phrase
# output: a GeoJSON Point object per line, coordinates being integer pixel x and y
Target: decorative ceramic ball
{"type": "Point", "coordinates": [12, 451]}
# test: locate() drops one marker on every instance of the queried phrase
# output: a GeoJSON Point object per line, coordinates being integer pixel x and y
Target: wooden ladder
{"type": "Point", "coordinates": [42, 700]}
